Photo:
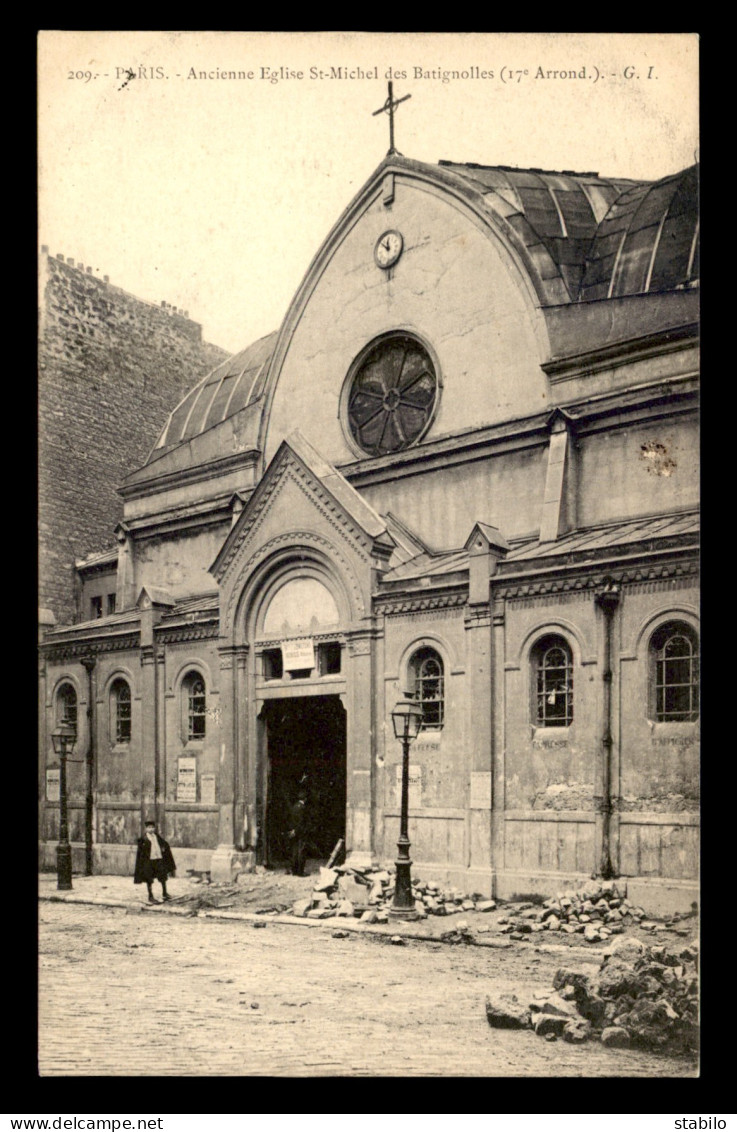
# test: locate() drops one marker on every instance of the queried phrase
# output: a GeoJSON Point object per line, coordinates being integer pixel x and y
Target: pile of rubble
{"type": "Point", "coordinates": [367, 893]}
{"type": "Point", "coordinates": [639, 996]}
{"type": "Point", "coordinates": [597, 911]}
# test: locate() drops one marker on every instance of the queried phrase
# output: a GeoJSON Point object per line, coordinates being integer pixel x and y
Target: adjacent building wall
{"type": "Point", "coordinates": [111, 367]}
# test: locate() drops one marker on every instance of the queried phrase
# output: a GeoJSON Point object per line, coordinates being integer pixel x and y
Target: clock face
{"type": "Point", "coordinates": [388, 248]}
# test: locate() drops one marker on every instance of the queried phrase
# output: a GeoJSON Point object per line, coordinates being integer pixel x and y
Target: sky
{"type": "Point", "coordinates": [214, 193]}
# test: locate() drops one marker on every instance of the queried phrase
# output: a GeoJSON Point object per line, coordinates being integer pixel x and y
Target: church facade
{"type": "Point", "coordinates": [464, 467]}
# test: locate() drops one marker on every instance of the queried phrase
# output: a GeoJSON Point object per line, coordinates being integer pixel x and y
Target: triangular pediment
{"type": "Point", "coordinates": [300, 487]}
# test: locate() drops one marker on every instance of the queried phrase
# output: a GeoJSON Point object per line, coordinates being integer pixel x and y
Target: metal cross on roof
{"type": "Point", "coordinates": [388, 108]}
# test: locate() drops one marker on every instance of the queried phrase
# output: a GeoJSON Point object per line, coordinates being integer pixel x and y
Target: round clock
{"type": "Point", "coordinates": [388, 248]}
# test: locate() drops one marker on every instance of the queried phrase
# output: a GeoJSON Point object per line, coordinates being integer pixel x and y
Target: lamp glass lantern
{"type": "Point", "coordinates": [64, 739]}
{"type": "Point", "coordinates": [407, 719]}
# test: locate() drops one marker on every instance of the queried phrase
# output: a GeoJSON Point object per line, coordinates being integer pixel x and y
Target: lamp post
{"type": "Point", "coordinates": [63, 739]}
{"type": "Point", "coordinates": [407, 720]}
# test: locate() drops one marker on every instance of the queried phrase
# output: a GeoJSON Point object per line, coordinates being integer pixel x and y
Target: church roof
{"type": "Point", "coordinates": [233, 385]}
{"type": "Point", "coordinates": [608, 237]}
{"type": "Point", "coordinates": [586, 238]}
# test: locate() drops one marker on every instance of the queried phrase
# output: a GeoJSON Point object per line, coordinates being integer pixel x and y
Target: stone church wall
{"type": "Point", "coordinates": [111, 367]}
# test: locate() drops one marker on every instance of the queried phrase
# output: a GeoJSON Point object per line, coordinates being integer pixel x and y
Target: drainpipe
{"type": "Point", "coordinates": [88, 663]}
{"type": "Point", "coordinates": [608, 601]}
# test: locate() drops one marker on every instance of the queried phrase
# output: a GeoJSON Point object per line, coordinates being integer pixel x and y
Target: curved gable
{"type": "Point", "coordinates": [464, 284]}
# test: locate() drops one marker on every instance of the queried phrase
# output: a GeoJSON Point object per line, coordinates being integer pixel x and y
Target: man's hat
{"type": "Point", "coordinates": [151, 823]}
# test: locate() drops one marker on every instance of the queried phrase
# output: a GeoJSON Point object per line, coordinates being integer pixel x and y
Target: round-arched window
{"type": "Point", "coordinates": [426, 679]}
{"type": "Point", "coordinates": [674, 651]}
{"type": "Point", "coordinates": [392, 395]}
{"type": "Point", "coordinates": [553, 669]}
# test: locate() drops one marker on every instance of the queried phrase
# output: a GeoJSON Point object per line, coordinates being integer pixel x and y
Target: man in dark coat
{"type": "Point", "coordinates": [154, 861]}
{"type": "Point", "coordinates": [298, 832]}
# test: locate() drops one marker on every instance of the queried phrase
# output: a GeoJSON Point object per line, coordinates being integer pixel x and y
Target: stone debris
{"type": "Point", "coordinates": [639, 996]}
{"type": "Point", "coordinates": [367, 894]}
{"type": "Point", "coordinates": [598, 911]}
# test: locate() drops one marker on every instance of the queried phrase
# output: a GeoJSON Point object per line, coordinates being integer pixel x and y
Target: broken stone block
{"type": "Point", "coordinates": [450, 908]}
{"type": "Point", "coordinates": [398, 941]}
{"type": "Point", "coordinates": [468, 906]}
{"type": "Point", "coordinates": [369, 916]}
{"type": "Point", "coordinates": [382, 917]}
{"type": "Point", "coordinates": [340, 933]}
{"type": "Point", "coordinates": [485, 905]}
{"type": "Point", "coordinates": [576, 1030]}
{"type": "Point", "coordinates": [553, 923]}
{"type": "Point", "coordinates": [382, 877]}
{"type": "Point", "coordinates": [579, 976]}
{"type": "Point", "coordinates": [549, 1024]}
{"type": "Point", "coordinates": [504, 1012]}
{"type": "Point", "coordinates": [553, 1003]}
{"type": "Point", "coordinates": [345, 908]}
{"type": "Point", "coordinates": [350, 889]}
{"type": "Point", "coordinates": [591, 934]}
{"type": "Point", "coordinates": [616, 1037]}
{"type": "Point", "coordinates": [327, 880]}
{"type": "Point", "coordinates": [301, 907]}
{"type": "Point", "coordinates": [626, 950]}
{"type": "Point", "coordinates": [319, 913]}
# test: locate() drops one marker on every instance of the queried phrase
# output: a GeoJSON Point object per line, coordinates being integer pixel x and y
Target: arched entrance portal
{"type": "Point", "coordinates": [304, 757]}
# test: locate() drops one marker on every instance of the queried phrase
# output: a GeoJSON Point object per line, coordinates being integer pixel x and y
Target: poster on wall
{"type": "Point", "coordinates": [187, 780]}
{"type": "Point", "coordinates": [53, 785]}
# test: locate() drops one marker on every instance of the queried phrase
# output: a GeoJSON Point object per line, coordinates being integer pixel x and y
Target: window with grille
{"type": "Point", "coordinates": [195, 706]}
{"type": "Point", "coordinates": [675, 673]}
{"type": "Point", "coordinates": [553, 666]}
{"type": "Point", "coordinates": [392, 395]}
{"type": "Point", "coordinates": [427, 683]}
{"type": "Point", "coordinates": [66, 705]}
{"type": "Point", "coordinates": [120, 712]}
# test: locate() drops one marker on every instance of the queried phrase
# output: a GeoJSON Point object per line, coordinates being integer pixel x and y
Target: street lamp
{"type": "Point", "coordinates": [407, 720]}
{"type": "Point", "coordinates": [63, 739]}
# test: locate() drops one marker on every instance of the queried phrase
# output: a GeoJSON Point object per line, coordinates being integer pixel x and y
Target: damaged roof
{"type": "Point", "coordinates": [586, 237]}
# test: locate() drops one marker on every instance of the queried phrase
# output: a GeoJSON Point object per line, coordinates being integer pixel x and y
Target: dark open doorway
{"type": "Point", "coordinates": [306, 758]}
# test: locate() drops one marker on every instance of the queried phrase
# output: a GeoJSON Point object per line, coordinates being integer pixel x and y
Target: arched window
{"type": "Point", "coordinates": [195, 707]}
{"type": "Point", "coordinates": [427, 683]}
{"type": "Point", "coordinates": [66, 705]}
{"type": "Point", "coordinates": [674, 661]}
{"type": "Point", "coordinates": [553, 675]}
{"type": "Point", "coordinates": [120, 712]}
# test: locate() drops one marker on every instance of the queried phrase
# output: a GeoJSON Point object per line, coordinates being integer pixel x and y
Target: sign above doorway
{"type": "Point", "coordinates": [298, 655]}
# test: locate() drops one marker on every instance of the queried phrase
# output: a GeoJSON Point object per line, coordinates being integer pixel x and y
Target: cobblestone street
{"type": "Point", "coordinates": [225, 999]}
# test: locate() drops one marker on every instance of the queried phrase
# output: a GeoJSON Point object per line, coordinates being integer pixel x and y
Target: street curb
{"type": "Point", "coordinates": [331, 922]}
